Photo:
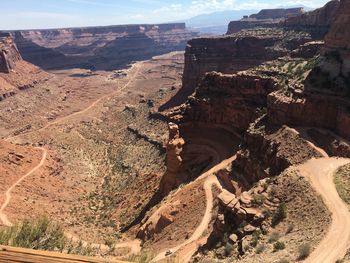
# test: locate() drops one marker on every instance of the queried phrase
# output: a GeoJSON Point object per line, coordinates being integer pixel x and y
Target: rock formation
{"type": "Point", "coordinates": [316, 22]}
{"type": "Point", "coordinates": [9, 54]}
{"type": "Point", "coordinates": [338, 39]}
{"type": "Point", "coordinates": [15, 73]}
{"type": "Point", "coordinates": [105, 47]}
{"type": "Point", "coordinates": [265, 18]}
{"type": "Point", "coordinates": [230, 54]}
{"type": "Point", "coordinates": [229, 100]}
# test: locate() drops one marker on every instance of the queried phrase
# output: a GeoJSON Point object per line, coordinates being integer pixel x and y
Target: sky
{"type": "Point", "coordinates": [40, 14]}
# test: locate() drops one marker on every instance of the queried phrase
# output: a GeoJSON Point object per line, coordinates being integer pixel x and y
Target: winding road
{"type": "Point", "coordinates": [134, 245]}
{"type": "Point", "coordinates": [320, 172]}
{"type": "Point", "coordinates": [3, 216]}
{"type": "Point", "coordinates": [190, 246]}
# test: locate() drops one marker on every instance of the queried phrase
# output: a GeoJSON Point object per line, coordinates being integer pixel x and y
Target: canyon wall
{"type": "Point", "coordinates": [230, 54]}
{"type": "Point", "coordinates": [15, 73]}
{"type": "Point", "coordinates": [265, 18]}
{"type": "Point", "coordinates": [316, 22]}
{"type": "Point", "coordinates": [9, 54]}
{"type": "Point", "coordinates": [338, 39]}
{"type": "Point", "coordinates": [105, 47]}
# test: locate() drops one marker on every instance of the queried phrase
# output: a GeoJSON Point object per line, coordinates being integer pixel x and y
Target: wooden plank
{"type": "Point", "coordinates": [23, 255]}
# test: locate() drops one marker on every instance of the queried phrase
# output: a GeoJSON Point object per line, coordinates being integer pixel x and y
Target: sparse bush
{"type": "Point", "coordinates": [228, 249]}
{"type": "Point", "coordinates": [259, 199]}
{"type": "Point", "coordinates": [290, 228]}
{"type": "Point", "coordinates": [41, 234]}
{"type": "Point", "coordinates": [274, 237]}
{"type": "Point", "coordinates": [280, 214]}
{"type": "Point", "coordinates": [279, 245]}
{"type": "Point", "coordinates": [34, 234]}
{"type": "Point", "coordinates": [283, 260]}
{"type": "Point", "coordinates": [260, 248]}
{"type": "Point", "coordinates": [304, 251]}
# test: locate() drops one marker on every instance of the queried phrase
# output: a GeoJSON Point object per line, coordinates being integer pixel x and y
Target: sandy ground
{"type": "Point", "coordinates": [334, 246]}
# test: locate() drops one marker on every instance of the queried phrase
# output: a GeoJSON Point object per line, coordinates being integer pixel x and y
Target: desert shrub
{"type": "Point", "coordinates": [42, 234]}
{"type": "Point", "coordinates": [259, 199]}
{"type": "Point", "coordinates": [35, 234]}
{"type": "Point", "coordinates": [279, 245]}
{"type": "Point", "coordinates": [290, 228]}
{"type": "Point", "coordinates": [228, 249]}
{"type": "Point", "coordinates": [256, 237]}
{"type": "Point", "coordinates": [280, 214]}
{"type": "Point", "coordinates": [283, 260]}
{"type": "Point", "coordinates": [304, 251]}
{"type": "Point", "coordinates": [260, 248]}
{"type": "Point", "coordinates": [274, 237]}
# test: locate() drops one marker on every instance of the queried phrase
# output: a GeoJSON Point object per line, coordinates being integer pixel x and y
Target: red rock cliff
{"type": "Point", "coordinates": [316, 22]}
{"type": "Point", "coordinates": [338, 38]}
{"type": "Point", "coordinates": [9, 54]}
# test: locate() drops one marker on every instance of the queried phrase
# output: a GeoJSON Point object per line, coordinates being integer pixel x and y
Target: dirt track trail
{"type": "Point", "coordinates": [3, 216]}
{"type": "Point", "coordinates": [92, 105]}
{"type": "Point", "coordinates": [133, 245]}
{"type": "Point", "coordinates": [334, 246]}
{"type": "Point", "coordinates": [190, 246]}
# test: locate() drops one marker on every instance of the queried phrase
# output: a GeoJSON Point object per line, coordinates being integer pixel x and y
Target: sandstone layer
{"type": "Point", "coordinates": [230, 54]}
{"type": "Point", "coordinates": [9, 54]}
{"type": "Point", "coordinates": [316, 22]}
{"type": "Point", "coordinates": [105, 47]}
{"type": "Point", "coordinates": [265, 18]}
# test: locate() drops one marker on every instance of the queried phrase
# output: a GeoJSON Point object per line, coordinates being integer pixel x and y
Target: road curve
{"type": "Point", "coordinates": [190, 246]}
{"type": "Point", "coordinates": [3, 216]}
{"type": "Point", "coordinates": [320, 173]}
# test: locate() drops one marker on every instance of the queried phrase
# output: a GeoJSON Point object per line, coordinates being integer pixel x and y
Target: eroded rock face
{"type": "Point", "coordinates": [229, 100]}
{"type": "Point", "coordinates": [316, 22]}
{"type": "Point", "coordinates": [9, 54]}
{"type": "Point", "coordinates": [265, 18]}
{"type": "Point", "coordinates": [231, 54]}
{"type": "Point", "coordinates": [278, 13]}
{"type": "Point", "coordinates": [338, 38]}
{"type": "Point", "coordinates": [106, 47]}
{"type": "Point", "coordinates": [174, 160]}
{"type": "Point", "coordinates": [306, 111]}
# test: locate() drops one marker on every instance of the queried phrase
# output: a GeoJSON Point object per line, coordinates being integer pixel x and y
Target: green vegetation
{"type": "Point", "coordinates": [283, 260]}
{"type": "Point", "coordinates": [35, 234]}
{"type": "Point", "coordinates": [41, 234]}
{"type": "Point", "coordinates": [274, 237]}
{"type": "Point", "coordinates": [280, 214]}
{"type": "Point", "coordinates": [279, 245]}
{"type": "Point", "coordinates": [342, 182]}
{"type": "Point", "coordinates": [259, 199]}
{"type": "Point", "coordinates": [260, 248]}
{"type": "Point", "coordinates": [304, 251]}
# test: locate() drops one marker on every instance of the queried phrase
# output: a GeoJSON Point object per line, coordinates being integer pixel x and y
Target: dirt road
{"type": "Point", "coordinates": [334, 246]}
{"type": "Point", "coordinates": [190, 246]}
{"type": "Point", "coordinates": [138, 65]}
{"type": "Point", "coordinates": [3, 216]}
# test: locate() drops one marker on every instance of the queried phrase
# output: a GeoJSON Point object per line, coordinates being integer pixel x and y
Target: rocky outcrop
{"type": "Point", "coordinates": [305, 110]}
{"type": "Point", "coordinates": [174, 159]}
{"type": "Point", "coordinates": [265, 18]}
{"type": "Point", "coordinates": [308, 50]}
{"type": "Point", "coordinates": [234, 53]}
{"type": "Point", "coordinates": [230, 100]}
{"type": "Point", "coordinates": [9, 54]}
{"type": "Point", "coordinates": [278, 13]}
{"type": "Point", "coordinates": [106, 47]}
{"type": "Point", "coordinates": [316, 22]}
{"type": "Point", "coordinates": [338, 39]}
{"type": "Point", "coordinates": [15, 73]}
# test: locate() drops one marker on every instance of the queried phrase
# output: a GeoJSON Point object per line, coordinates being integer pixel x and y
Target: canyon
{"type": "Point", "coordinates": [92, 47]}
{"type": "Point", "coordinates": [145, 153]}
